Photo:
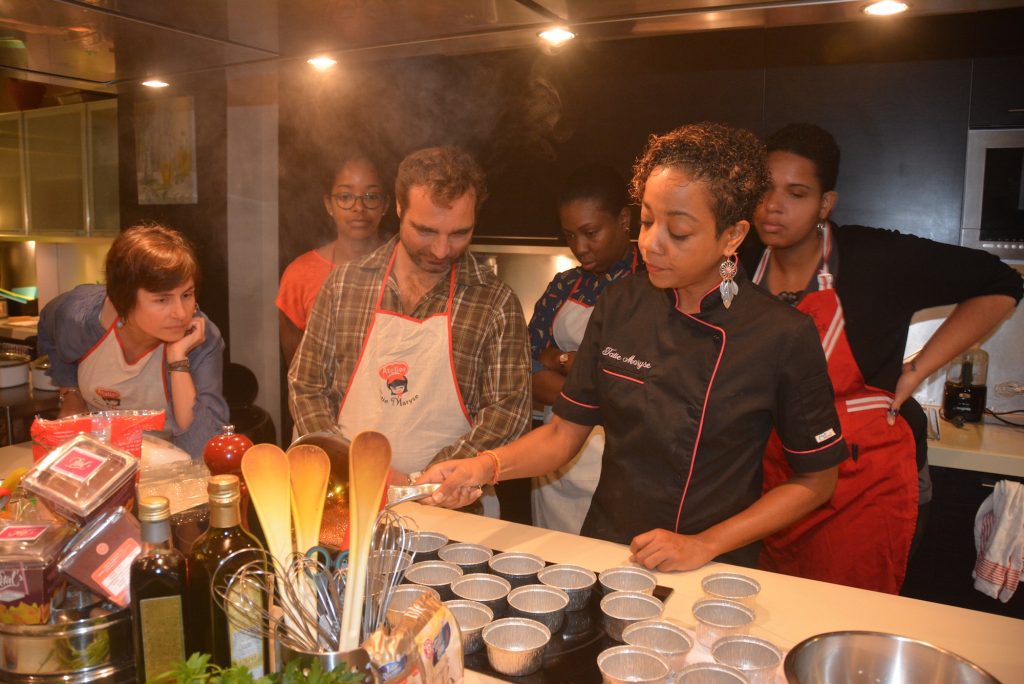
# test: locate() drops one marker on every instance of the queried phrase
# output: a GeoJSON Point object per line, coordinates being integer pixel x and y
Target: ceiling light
{"type": "Point", "coordinates": [155, 83]}
{"type": "Point", "coordinates": [557, 36]}
{"type": "Point", "coordinates": [885, 8]}
{"type": "Point", "coordinates": [321, 63]}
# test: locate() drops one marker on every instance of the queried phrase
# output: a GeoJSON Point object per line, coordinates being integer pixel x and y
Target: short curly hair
{"type": "Point", "coordinates": [731, 162]}
{"type": "Point", "coordinates": [596, 182]}
{"type": "Point", "coordinates": [447, 172]}
{"type": "Point", "coordinates": [813, 143]}
{"type": "Point", "coordinates": [151, 257]}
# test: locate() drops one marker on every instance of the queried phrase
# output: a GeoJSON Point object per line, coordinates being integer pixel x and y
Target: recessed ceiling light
{"type": "Point", "coordinates": [155, 83]}
{"type": "Point", "coordinates": [557, 36]}
{"type": "Point", "coordinates": [322, 62]}
{"type": "Point", "coordinates": [885, 8]}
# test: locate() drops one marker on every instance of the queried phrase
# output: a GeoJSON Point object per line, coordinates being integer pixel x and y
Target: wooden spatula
{"type": "Point", "coordinates": [309, 468]}
{"type": "Point", "coordinates": [265, 469]}
{"type": "Point", "coordinates": [369, 463]}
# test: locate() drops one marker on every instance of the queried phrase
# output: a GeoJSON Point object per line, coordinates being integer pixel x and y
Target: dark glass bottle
{"type": "Point", "coordinates": [209, 628]}
{"type": "Point", "coordinates": [157, 589]}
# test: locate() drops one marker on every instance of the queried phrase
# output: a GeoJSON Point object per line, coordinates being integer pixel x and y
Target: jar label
{"type": "Point", "coordinates": [114, 574]}
{"type": "Point", "coordinates": [78, 464]}
{"type": "Point", "coordinates": [22, 533]}
{"type": "Point", "coordinates": [246, 648]}
{"type": "Point", "coordinates": [163, 634]}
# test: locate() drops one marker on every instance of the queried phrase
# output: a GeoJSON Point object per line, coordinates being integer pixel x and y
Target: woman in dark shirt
{"type": "Point", "coordinates": [593, 209]}
{"type": "Point", "coordinates": [688, 367]}
{"type": "Point", "coordinates": [882, 278]}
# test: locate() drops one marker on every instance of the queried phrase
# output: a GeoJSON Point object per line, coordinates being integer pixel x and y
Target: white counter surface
{"type": "Point", "coordinates": [981, 447]}
{"type": "Point", "coordinates": [788, 609]}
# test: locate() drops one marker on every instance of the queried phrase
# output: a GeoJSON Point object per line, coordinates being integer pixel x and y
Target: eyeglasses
{"type": "Point", "coordinates": [347, 200]}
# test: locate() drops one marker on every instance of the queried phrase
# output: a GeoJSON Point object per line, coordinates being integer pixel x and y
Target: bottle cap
{"type": "Point", "coordinates": [154, 509]}
{"type": "Point", "coordinates": [223, 488]}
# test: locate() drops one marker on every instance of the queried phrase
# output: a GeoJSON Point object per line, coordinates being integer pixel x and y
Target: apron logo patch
{"type": "Point", "coordinates": [112, 398]}
{"type": "Point", "coordinates": [395, 390]}
{"type": "Point", "coordinates": [824, 435]}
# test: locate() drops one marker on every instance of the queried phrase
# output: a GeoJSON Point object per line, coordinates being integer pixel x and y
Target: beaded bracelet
{"type": "Point", "coordinates": [497, 465]}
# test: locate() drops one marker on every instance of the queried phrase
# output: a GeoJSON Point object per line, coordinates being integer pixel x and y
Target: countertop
{"type": "Point", "coordinates": [980, 447]}
{"type": "Point", "coordinates": [789, 609]}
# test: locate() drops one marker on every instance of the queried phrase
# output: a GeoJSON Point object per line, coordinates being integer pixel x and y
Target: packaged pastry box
{"type": "Point", "coordinates": [82, 478]}
{"type": "Point", "coordinates": [100, 556]}
{"type": "Point", "coordinates": [29, 577]}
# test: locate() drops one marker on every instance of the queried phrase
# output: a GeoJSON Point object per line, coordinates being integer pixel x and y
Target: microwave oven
{"type": "Point", "coordinates": [993, 215]}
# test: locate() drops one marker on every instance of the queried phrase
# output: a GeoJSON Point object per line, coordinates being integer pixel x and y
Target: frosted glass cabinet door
{"type": "Point", "coordinates": [55, 156]}
{"type": "Point", "coordinates": [104, 216]}
{"type": "Point", "coordinates": [12, 205]}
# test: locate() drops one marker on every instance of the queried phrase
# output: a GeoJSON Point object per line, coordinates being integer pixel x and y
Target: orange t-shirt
{"type": "Point", "coordinates": [300, 284]}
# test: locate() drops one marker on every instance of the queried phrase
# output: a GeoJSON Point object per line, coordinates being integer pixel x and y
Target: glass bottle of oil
{"type": "Point", "coordinates": [157, 590]}
{"type": "Point", "coordinates": [211, 629]}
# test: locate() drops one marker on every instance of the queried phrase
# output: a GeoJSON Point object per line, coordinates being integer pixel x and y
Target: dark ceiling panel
{"type": "Point", "coordinates": [46, 37]}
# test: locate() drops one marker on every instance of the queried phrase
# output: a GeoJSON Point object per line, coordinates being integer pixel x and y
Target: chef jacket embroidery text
{"type": "Point", "coordinates": [613, 353]}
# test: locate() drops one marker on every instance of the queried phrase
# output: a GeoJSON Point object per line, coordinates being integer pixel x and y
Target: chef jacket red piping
{"type": "Point", "coordinates": [570, 399]}
{"type": "Point", "coordinates": [811, 451]}
{"type": "Point", "coordinates": [624, 377]}
{"type": "Point", "coordinates": [703, 410]}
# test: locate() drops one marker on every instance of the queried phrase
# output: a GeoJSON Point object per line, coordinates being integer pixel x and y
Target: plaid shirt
{"type": "Point", "coordinates": [489, 344]}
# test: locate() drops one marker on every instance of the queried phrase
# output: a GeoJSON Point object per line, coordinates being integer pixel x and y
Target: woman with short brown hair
{"type": "Point", "coordinates": [140, 342]}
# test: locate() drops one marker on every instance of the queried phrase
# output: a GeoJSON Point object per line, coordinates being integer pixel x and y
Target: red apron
{"type": "Point", "coordinates": [861, 537]}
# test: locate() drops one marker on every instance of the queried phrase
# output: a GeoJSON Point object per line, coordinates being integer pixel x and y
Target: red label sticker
{"type": "Point", "coordinates": [22, 533]}
{"type": "Point", "coordinates": [78, 464]}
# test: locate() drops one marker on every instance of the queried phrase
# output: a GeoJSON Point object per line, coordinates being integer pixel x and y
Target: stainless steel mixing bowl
{"type": "Point", "coordinates": [854, 657]}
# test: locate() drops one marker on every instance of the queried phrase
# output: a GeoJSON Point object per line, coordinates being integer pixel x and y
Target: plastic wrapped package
{"type": "Point", "coordinates": [123, 429]}
{"type": "Point", "coordinates": [29, 578]}
{"type": "Point", "coordinates": [436, 642]}
{"type": "Point", "coordinates": [100, 557]}
{"type": "Point", "coordinates": [83, 478]}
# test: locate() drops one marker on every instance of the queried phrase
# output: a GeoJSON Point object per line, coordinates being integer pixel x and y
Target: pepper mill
{"type": "Point", "coordinates": [223, 456]}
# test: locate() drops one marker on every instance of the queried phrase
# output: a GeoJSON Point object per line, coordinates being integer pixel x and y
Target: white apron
{"type": "Point", "coordinates": [108, 382]}
{"type": "Point", "coordinates": [404, 387]}
{"type": "Point", "coordinates": [560, 500]}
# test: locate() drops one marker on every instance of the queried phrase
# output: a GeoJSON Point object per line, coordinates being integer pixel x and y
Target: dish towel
{"type": "Point", "coordinates": [999, 539]}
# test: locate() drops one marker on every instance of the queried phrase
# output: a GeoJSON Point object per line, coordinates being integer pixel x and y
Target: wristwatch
{"type": "Point", "coordinates": [182, 366]}
{"type": "Point", "coordinates": [563, 359]}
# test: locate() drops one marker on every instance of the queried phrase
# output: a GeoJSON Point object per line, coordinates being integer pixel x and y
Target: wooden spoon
{"type": "Point", "coordinates": [369, 464]}
{"type": "Point", "coordinates": [309, 468]}
{"type": "Point", "coordinates": [265, 469]}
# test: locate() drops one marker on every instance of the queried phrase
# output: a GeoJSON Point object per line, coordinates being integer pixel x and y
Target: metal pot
{"type": "Point", "coordinates": [41, 382]}
{"type": "Point", "coordinates": [90, 650]}
{"type": "Point", "coordinates": [13, 369]}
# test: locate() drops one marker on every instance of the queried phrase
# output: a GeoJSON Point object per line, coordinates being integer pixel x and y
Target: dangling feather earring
{"type": "Point", "coordinates": [729, 289]}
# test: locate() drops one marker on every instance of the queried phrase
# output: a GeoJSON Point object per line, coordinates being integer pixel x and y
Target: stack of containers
{"type": "Point", "coordinates": [64, 577]}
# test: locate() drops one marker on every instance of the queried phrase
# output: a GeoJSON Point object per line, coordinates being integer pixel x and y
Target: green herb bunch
{"type": "Point", "coordinates": [198, 670]}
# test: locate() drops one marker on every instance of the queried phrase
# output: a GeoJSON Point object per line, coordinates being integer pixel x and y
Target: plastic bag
{"type": "Point", "coordinates": [123, 429]}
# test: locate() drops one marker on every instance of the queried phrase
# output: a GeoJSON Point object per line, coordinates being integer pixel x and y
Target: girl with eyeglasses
{"type": "Point", "coordinates": [356, 200]}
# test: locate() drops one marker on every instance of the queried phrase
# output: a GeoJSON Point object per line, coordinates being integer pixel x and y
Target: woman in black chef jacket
{"type": "Point", "coordinates": [881, 278]}
{"type": "Point", "coordinates": [688, 368]}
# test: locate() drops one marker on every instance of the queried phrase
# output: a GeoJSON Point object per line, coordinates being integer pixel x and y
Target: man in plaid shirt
{"type": "Point", "coordinates": [419, 340]}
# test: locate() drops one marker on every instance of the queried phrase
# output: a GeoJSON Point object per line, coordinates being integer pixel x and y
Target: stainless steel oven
{"type": "Point", "coordinates": [993, 217]}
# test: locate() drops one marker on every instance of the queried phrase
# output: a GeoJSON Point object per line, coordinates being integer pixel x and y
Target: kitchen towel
{"type": "Point", "coordinates": [999, 539]}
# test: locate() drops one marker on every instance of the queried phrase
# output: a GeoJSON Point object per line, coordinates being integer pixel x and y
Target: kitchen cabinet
{"type": "Point", "coordinates": [12, 191]}
{"type": "Point", "coordinates": [997, 92]}
{"type": "Point", "coordinates": [55, 170]}
{"type": "Point", "coordinates": [104, 198]}
{"type": "Point", "coordinates": [940, 570]}
{"type": "Point", "coordinates": [59, 165]}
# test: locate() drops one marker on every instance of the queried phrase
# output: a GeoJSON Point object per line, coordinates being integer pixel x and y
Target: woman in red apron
{"type": "Point", "coordinates": [861, 286]}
